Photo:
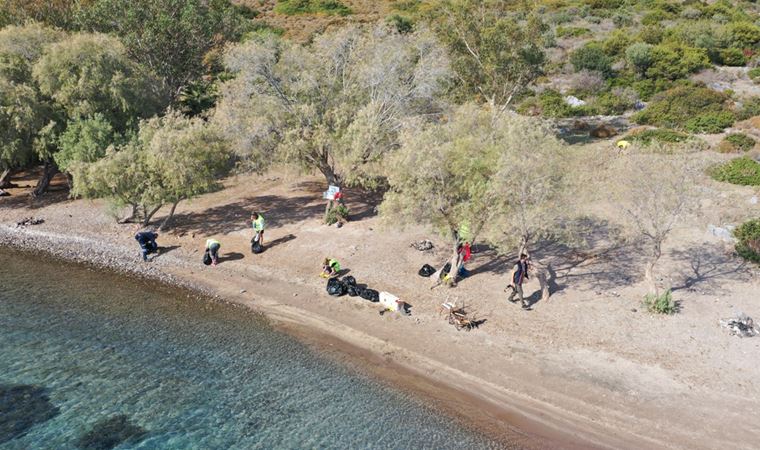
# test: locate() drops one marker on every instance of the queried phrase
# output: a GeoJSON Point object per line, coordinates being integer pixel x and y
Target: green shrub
{"type": "Point", "coordinates": [336, 214]}
{"type": "Point", "coordinates": [293, 7]}
{"type": "Point", "coordinates": [647, 137]}
{"type": "Point", "coordinates": [660, 304]}
{"type": "Point", "coordinates": [655, 17]}
{"type": "Point", "coordinates": [674, 61]}
{"type": "Point", "coordinates": [679, 105]}
{"type": "Point", "coordinates": [710, 122]}
{"type": "Point", "coordinates": [743, 171]}
{"type": "Point", "coordinates": [736, 142]}
{"type": "Point", "coordinates": [754, 73]}
{"type": "Point", "coordinates": [651, 35]}
{"type": "Point", "coordinates": [617, 42]}
{"type": "Point", "coordinates": [572, 31]}
{"type": "Point", "coordinates": [733, 57]}
{"type": "Point", "coordinates": [748, 240]}
{"type": "Point", "coordinates": [401, 23]}
{"type": "Point", "coordinates": [750, 108]}
{"type": "Point", "coordinates": [591, 57]}
{"type": "Point", "coordinates": [743, 34]}
{"type": "Point", "coordinates": [622, 19]}
{"type": "Point", "coordinates": [639, 56]}
{"type": "Point", "coordinates": [613, 103]}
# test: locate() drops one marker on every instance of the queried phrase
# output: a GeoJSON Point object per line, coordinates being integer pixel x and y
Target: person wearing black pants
{"type": "Point", "coordinates": [147, 241]}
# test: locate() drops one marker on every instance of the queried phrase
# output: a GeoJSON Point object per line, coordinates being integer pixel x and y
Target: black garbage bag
{"type": "Point", "coordinates": [446, 270]}
{"type": "Point", "coordinates": [349, 280]}
{"type": "Point", "coordinates": [256, 247]}
{"type": "Point", "coordinates": [207, 258]}
{"type": "Point", "coordinates": [335, 287]}
{"type": "Point", "coordinates": [371, 295]}
{"type": "Point", "coordinates": [426, 270]}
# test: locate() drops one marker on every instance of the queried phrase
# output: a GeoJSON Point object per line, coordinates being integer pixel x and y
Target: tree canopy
{"type": "Point", "coordinates": [335, 106]}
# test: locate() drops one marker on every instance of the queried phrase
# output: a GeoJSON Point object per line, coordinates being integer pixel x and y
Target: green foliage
{"type": "Point", "coordinates": [736, 142]}
{"type": "Point", "coordinates": [613, 103]}
{"type": "Point", "coordinates": [733, 57]}
{"type": "Point", "coordinates": [617, 42]}
{"type": "Point", "coordinates": [660, 304]}
{"type": "Point", "coordinates": [648, 137]}
{"type": "Point", "coordinates": [85, 140]}
{"type": "Point", "coordinates": [335, 106]}
{"type": "Point", "coordinates": [197, 97]}
{"type": "Point", "coordinates": [402, 24]}
{"type": "Point", "coordinates": [750, 108]}
{"type": "Point", "coordinates": [710, 122]}
{"type": "Point", "coordinates": [655, 16]}
{"type": "Point", "coordinates": [743, 34]}
{"type": "Point", "coordinates": [22, 115]}
{"type": "Point", "coordinates": [91, 73]}
{"type": "Point", "coordinates": [591, 57]}
{"type": "Point", "coordinates": [169, 36]}
{"type": "Point", "coordinates": [335, 214]}
{"type": "Point", "coordinates": [21, 47]}
{"type": "Point", "coordinates": [494, 52]}
{"type": "Point", "coordinates": [674, 61]}
{"type": "Point", "coordinates": [640, 56]}
{"type": "Point", "coordinates": [743, 171]}
{"type": "Point", "coordinates": [754, 73]}
{"type": "Point", "coordinates": [293, 7]}
{"type": "Point", "coordinates": [748, 240]}
{"type": "Point", "coordinates": [172, 158]}
{"type": "Point", "coordinates": [700, 107]}
{"type": "Point", "coordinates": [563, 32]}
{"type": "Point", "coordinates": [551, 103]}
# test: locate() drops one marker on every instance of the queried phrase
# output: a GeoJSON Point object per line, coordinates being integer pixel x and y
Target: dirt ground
{"type": "Point", "coordinates": [587, 368]}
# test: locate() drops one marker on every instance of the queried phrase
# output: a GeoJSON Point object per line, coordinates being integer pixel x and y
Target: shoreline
{"type": "Point", "coordinates": [428, 380]}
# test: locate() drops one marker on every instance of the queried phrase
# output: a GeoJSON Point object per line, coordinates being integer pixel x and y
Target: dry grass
{"type": "Point", "coordinates": [302, 27]}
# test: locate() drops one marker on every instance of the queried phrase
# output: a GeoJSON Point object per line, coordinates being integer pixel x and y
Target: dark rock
{"type": "Point", "coordinates": [109, 433]}
{"type": "Point", "coordinates": [21, 408]}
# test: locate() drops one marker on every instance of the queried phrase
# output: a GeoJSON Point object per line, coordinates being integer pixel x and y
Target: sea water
{"type": "Point", "coordinates": [93, 360]}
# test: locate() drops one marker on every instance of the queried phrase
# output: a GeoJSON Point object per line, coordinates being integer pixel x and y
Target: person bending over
{"type": "Point", "coordinates": [257, 222]}
{"type": "Point", "coordinates": [212, 247]}
{"type": "Point", "coordinates": [330, 268]}
{"type": "Point", "coordinates": [147, 241]}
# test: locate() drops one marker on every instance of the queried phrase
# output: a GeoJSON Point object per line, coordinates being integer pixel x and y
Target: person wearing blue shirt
{"type": "Point", "coordinates": [147, 241]}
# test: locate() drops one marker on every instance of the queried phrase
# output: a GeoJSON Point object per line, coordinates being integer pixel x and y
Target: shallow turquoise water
{"type": "Point", "coordinates": [80, 348]}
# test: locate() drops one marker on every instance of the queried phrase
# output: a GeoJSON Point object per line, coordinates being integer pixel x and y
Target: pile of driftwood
{"type": "Point", "coordinates": [742, 326]}
{"type": "Point", "coordinates": [30, 221]}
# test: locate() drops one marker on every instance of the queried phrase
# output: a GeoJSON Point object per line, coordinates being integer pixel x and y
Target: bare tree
{"type": "Point", "coordinates": [657, 192]}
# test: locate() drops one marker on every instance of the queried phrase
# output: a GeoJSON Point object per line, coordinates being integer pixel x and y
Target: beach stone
{"type": "Point", "coordinates": [753, 200]}
{"type": "Point", "coordinates": [574, 101]}
{"type": "Point", "coordinates": [724, 233]}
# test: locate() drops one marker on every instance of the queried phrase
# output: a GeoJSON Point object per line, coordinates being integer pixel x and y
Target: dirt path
{"type": "Point", "coordinates": [580, 370]}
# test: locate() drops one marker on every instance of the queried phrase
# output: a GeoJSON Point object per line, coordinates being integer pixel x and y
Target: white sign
{"type": "Point", "coordinates": [330, 193]}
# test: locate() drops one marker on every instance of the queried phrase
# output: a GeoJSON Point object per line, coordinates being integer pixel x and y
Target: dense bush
{"type": "Point", "coordinates": [293, 7]}
{"type": "Point", "coordinates": [617, 42]}
{"type": "Point", "coordinates": [674, 61]}
{"type": "Point", "coordinates": [572, 31]}
{"type": "Point", "coordinates": [733, 57]}
{"type": "Point", "coordinates": [647, 137]}
{"type": "Point", "coordinates": [736, 142]}
{"type": "Point", "coordinates": [591, 57]}
{"type": "Point", "coordinates": [639, 56]}
{"type": "Point", "coordinates": [748, 240]}
{"type": "Point", "coordinates": [661, 304]}
{"type": "Point", "coordinates": [754, 74]}
{"type": "Point", "coordinates": [743, 171]}
{"type": "Point", "coordinates": [743, 34]}
{"type": "Point", "coordinates": [750, 108]}
{"type": "Point", "coordinates": [656, 16]}
{"type": "Point", "coordinates": [710, 122]}
{"type": "Point", "coordinates": [402, 24]}
{"type": "Point", "coordinates": [695, 105]}
{"type": "Point", "coordinates": [615, 102]}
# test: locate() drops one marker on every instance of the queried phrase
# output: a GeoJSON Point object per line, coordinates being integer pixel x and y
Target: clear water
{"type": "Point", "coordinates": [92, 360]}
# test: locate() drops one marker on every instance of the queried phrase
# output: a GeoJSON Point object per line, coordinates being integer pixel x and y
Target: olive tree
{"type": "Point", "coordinates": [173, 158]}
{"type": "Point", "coordinates": [336, 105]}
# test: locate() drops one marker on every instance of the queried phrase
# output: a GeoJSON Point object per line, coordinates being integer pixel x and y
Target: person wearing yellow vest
{"type": "Point", "coordinates": [212, 247]}
{"type": "Point", "coordinates": [257, 222]}
{"type": "Point", "coordinates": [330, 268]}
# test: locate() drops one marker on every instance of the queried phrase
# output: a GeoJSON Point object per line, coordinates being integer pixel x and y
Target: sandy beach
{"type": "Point", "coordinates": [585, 369]}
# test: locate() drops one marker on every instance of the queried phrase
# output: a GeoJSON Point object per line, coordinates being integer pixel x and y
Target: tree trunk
{"type": "Point", "coordinates": [541, 272]}
{"type": "Point", "coordinates": [649, 277]}
{"type": "Point", "coordinates": [149, 214]}
{"type": "Point", "coordinates": [131, 216]}
{"type": "Point", "coordinates": [5, 180]}
{"type": "Point", "coordinates": [48, 172]}
{"type": "Point", "coordinates": [165, 223]}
